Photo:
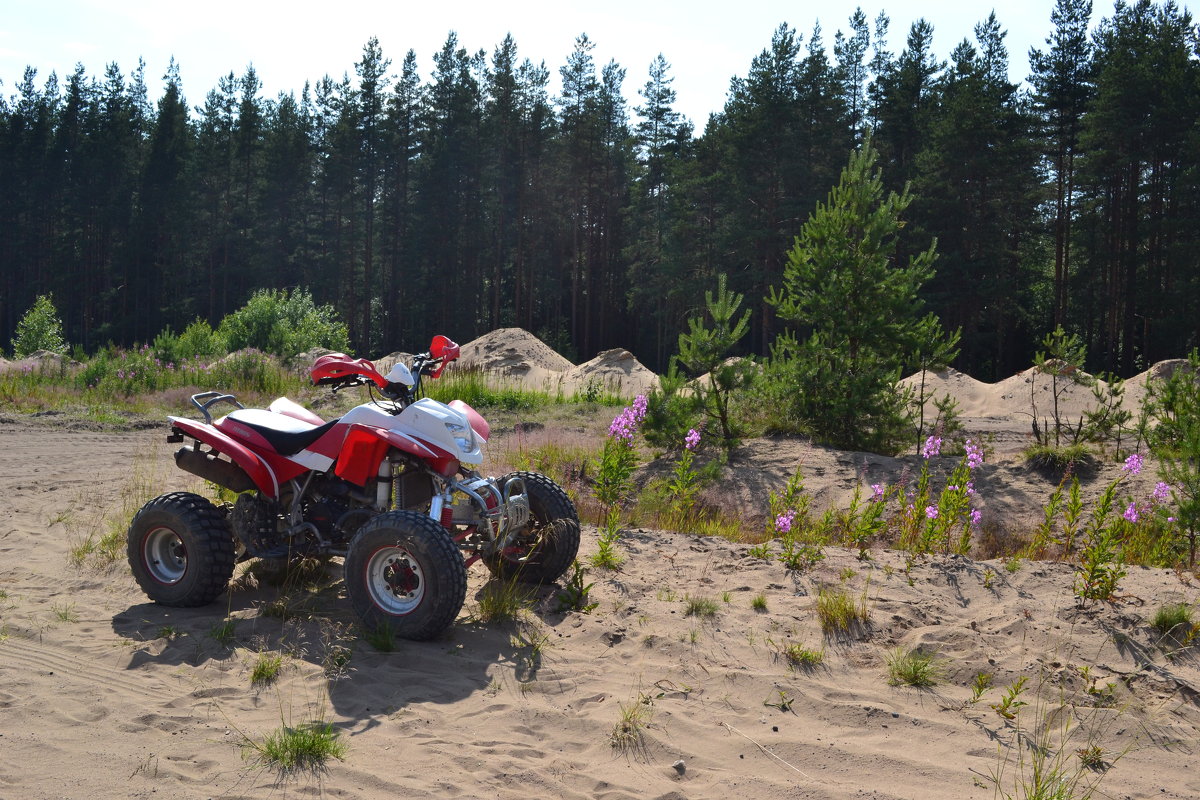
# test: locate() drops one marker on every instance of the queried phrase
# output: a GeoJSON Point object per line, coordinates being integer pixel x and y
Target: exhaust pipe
{"type": "Point", "coordinates": [210, 468]}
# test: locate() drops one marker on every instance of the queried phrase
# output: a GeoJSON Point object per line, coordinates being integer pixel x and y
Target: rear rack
{"type": "Point", "coordinates": [211, 399]}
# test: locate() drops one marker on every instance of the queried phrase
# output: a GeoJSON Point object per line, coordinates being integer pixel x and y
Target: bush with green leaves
{"type": "Point", "coordinates": [198, 341]}
{"type": "Point", "coordinates": [1174, 404]}
{"type": "Point", "coordinates": [283, 323]}
{"type": "Point", "coordinates": [858, 318]}
{"type": "Point", "coordinates": [39, 329]}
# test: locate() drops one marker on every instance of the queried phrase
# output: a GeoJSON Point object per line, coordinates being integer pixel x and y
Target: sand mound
{"type": "Point", "coordinates": [614, 370]}
{"type": "Point", "coordinates": [1135, 387]}
{"type": "Point", "coordinates": [975, 398]}
{"type": "Point", "coordinates": [511, 351]}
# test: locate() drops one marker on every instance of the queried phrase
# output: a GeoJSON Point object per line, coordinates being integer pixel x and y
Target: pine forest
{"type": "Point", "coordinates": [473, 192]}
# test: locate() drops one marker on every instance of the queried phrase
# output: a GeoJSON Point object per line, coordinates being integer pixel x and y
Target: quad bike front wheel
{"type": "Point", "coordinates": [180, 550]}
{"type": "Point", "coordinates": [405, 574]}
{"type": "Point", "coordinates": [547, 546]}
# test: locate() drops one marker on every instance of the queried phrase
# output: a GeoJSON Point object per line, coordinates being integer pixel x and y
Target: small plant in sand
{"type": "Point", "coordinates": [224, 632]}
{"type": "Point", "coordinates": [699, 607]}
{"type": "Point", "coordinates": [635, 716]}
{"type": "Point", "coordinates": [1059, 756]}
{"type": "Point", "coordinates": [914, 668]}
{"type": "Point", "coordinates": [503, 600]}
{"type": "Point", "coordinates": [839, 612]}
{"type": "Point", "coordinates": [574, 596]}
{"type": "Point", "coordinates": [380, 637]}
{"type": "Point", "coordinates": [800, 657]}
{"type": "Point", "coordinates": [783, 703]}
{"type": "Point", "coordinates": [306, 746]}
{"type": "Point", "coordinates": [65, 612]}
{"type": "Point", "coordinates": [608, 555]}
{"type": "Point", "coordinates": [1101, 562]}
{"type": "Point", "coordinates": [980, 684]}
{"type": "Point", "coordinates": [685, 482]}
{"type": "Point", "coordinates": [943, 522]}
{"type": "Point", "coordinates": [614, 479]}
{"type": "Point", "coordinates": [1174, 619]}
{"type": "Point", "coordinates": [266, 669]}
{"type": "Point", "coordinates": [1010, 703]}
{"type": "Point", "coordinates": [761, 551]}
{"type": "Point", "coordinates": [759, 602]}
{"type": "Point", "coordinates": [335, 650]}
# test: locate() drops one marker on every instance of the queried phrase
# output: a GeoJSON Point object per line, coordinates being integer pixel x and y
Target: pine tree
{"type": "Point", "coordinates": [1062, 85]}
{"type": "Point", "coordinates": [856, 312]}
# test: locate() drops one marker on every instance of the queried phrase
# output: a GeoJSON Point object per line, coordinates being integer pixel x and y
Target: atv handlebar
{"type": "Point", "coordinates": [338, 370]}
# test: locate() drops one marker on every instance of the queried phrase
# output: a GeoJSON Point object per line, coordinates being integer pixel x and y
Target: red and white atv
{"type": "Point", "coordinates": [391, 486]}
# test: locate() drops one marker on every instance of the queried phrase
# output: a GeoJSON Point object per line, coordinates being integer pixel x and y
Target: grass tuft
{"type": "Point", "coordinates": [1175, 618]}
{"type": "Point", "coordinates": [634, 718]}
{"type": "Point", "coordinates": [700, 607]}
{"type": "Point", "coordinates": [839, 612]}
{"type": "Point", "coordinates": [801, 657]}
{"type": "Point", "coordinates": [503, 601]}
{"type": "Point", "coordinates": [304, 747]}
{"type": "Point", "coordinates": [266, 668]}
{"type": "Point", "coordinates": [914, 668]}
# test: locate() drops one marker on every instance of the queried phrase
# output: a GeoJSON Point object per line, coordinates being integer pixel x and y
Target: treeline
{"type": "Point", "coordinates": [473, 199]}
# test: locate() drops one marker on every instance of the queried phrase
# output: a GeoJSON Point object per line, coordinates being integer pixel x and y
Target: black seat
{"type": "Point", "coordinates": [285, 442]}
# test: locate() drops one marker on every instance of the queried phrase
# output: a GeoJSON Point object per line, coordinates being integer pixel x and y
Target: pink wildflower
{"type": "Point", "coordinates": [692, 440]}
{"type": "Point", "coordinates": [933, 447]}
{"type": "Point", "coordinates": [783, 523]}
{"type": "Point", "coordinates": [1161, 493]}
{"type": "Point", "coordinates": [1131, 513]}
{"type": "Point", "coordinates": [931, 512]}
{"type": "Point", "coordinates": [974, 454]}
{"type": "Point", "coordinates": [1133, 464]}
{"type": "Point", "coordinates": [975, 516]}
{"type": "Point", "coordinates": [876, 492]}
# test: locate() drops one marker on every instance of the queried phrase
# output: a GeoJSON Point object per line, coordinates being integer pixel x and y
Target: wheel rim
{"type": "Point", "coordinates": [164, 555]}
{"type": "Point", "coordinates": [395, 580]}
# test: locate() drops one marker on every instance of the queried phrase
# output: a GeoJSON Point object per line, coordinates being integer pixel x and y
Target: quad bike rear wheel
{"type": "Point", "coordinates": [180, 550]}
{"type": "Point", "coordinates": [547, 547]}
{"type": "Point", "coordinates": [405, 574]}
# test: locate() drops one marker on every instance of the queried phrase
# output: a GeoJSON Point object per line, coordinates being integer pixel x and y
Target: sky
{"type": "Point", "coordinates": [706, 43]}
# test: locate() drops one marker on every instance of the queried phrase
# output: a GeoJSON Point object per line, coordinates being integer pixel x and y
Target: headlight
{"type": "Point", "coordinates": [466, 443]}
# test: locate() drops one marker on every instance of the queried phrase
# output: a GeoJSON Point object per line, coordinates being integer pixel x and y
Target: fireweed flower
{"type": "Point", "coordinates": [876, 493]}
{"type": "Point", "coordinates": [1131, 513]}
{"type": "Point", "coordinates": [931, 512]}
{"type": "Point", "coordinates": [974, 454]}
{"type": "Point", "coordinates": [933, 446]}
{"type": "Point", "coordinates": [783, 523]}
{"type": "Point", "coordinates": [692, 440]}
{"type": "Point", "coordinates": [975, 516]}
{"type": "Point", "coordinates": [1161, 493]}
{"type": "Point", "coordinates": [626, 424]}
{"type": "Point", "coordinates": [1133, 464]}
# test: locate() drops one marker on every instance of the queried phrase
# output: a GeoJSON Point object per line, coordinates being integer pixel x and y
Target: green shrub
{"type": "Point", "coordinates": [39, 329]}
{"type": "Point", "coordinates": [197, 342]}
{"type": "Point", "coordinates": [283, 323]}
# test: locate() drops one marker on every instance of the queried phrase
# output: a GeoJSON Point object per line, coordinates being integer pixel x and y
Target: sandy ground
{"type": "Point", "coordinates": [104, 695]}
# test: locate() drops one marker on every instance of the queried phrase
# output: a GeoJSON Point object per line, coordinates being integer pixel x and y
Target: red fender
{"type": "Point", "coordinates": [254, 465]}
{"type": "Point", "coordinates": [366, 445]}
